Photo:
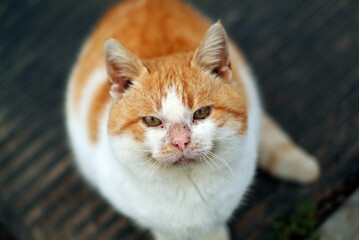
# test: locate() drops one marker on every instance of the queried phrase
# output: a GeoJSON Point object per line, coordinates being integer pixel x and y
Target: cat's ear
{"type": "Point", "coordinates": [212, 53]}
{"type": "Point", "coordinates": [122, 67]}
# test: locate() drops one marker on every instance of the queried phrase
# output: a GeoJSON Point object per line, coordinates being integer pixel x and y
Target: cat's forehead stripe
{"type": "Point", "coordinates": [173, 108]}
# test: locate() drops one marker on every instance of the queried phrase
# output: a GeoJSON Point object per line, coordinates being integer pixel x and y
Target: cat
{"type": "Point", "coordinates": [165, 121]}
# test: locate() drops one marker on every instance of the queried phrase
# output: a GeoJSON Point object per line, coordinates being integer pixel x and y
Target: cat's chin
{"type": "Point", "coordinates": [183, 162]}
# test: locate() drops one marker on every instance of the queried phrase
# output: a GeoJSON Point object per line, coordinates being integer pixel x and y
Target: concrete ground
{"type": "Point", "coordinates": [343, 224]}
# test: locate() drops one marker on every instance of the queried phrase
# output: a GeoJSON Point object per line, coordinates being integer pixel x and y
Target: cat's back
{"type": "Point", "coordinates": [153, 28]}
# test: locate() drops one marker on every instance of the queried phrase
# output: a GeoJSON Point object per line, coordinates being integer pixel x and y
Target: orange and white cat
{"type": "Point", "coordinates": [165, 120]}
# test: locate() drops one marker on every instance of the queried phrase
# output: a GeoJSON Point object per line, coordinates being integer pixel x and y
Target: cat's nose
{"type": "Point", "coordinates": [180, 136]}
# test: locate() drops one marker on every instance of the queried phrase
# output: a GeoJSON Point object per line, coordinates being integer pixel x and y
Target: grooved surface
{"type": "Point", "coordinates": [304, 53]}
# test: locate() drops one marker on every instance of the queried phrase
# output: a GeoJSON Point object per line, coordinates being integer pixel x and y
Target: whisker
{"type": "Point", "coordinates": [213, 162]}
{"type": "Point", "coordinates": [145, 173]}
{"type": "Point", "coordinates": [157, 165]}
{"type": "Point", "coordinates": [142, 162]}
{"type": "Point", "coordinates": [222, 161]}
{"type": "Point", "coordinates": [220, 169]}
{"type": "Point", "coordinates": [223, 138]}
{"type": "Point", "coordinates": [152, 172]}
{"type": "Point", "coordinates": [142, 150]}
{"type": "Point", "coordinates": [203, 157]}
{"type": "Point", "coordinates": [148, 172]}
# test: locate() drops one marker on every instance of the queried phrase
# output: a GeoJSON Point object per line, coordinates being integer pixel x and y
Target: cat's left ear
{"type": "Point", "coordinates": [212, 53]}
{"type": "Point", "coordinates": [122, 67]}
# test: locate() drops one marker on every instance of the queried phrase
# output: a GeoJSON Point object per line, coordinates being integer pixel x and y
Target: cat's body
{"type": "Point", "coordinates": [183, 171]}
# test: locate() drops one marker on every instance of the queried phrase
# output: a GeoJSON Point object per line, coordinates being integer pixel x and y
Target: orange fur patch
{"type": "Point", "coordinates": [286, 146]}
{"type": "Point", "coordinates": [167, 149]}
{"type": "Point", "coordinates": [97, 109]}
{"type": "Point", "coordinates": [272, 162]}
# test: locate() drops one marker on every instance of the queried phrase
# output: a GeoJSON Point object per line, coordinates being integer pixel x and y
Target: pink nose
{"type": "Point", "coordinates": [180, 136]}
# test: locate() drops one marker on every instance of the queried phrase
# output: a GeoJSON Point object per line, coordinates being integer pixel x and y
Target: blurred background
{"type": "Point", "coordinates": [305, 55]}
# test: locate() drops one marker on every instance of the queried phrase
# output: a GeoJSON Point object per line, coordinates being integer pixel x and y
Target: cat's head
{"type": "Point", "coordinates": [178, 110]}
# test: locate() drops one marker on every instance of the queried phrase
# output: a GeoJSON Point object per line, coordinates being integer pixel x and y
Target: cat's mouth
{"type": "Point", "coordinates": [183, 161]}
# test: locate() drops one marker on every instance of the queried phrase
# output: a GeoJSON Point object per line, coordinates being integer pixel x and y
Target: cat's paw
{"type": "Point", "coordinates": [298, 166]}
{"type": "Point", "coordinates": [309, 170]}
{"type": "Point", "coordinates": [221, 234]}
{"type": "Point", "coordinates": [158, 236]}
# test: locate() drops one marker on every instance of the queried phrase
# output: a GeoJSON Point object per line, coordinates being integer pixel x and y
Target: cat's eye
{"type": "Point", "coordinates": [202, 113]}
{"type": "Point", "coordinates": [152, 121]}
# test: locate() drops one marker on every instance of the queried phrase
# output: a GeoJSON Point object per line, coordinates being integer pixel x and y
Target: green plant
{"type": "Point", "coordinates": [299, 224]}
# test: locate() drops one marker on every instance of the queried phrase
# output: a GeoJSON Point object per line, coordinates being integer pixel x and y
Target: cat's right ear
{"type": "Point", "coordinates": [122, 67]}
{"type": "Point", "coordinates": [212, 53]}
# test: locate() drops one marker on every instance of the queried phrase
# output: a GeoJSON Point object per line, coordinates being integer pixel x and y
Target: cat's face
{"type": "Point", "coordinates": [176, 111]}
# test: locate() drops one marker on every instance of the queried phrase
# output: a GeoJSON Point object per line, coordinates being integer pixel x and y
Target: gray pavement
{"type": "Point", "coordinates": [343, 224]}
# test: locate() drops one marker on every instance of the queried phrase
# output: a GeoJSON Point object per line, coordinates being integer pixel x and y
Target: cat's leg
{"type": "Point", "coordinates": [282, 158]}
{"type": "Point", "coordinates": [221, 234]}
{"type": "Point", "coordinates": [159, 236]}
